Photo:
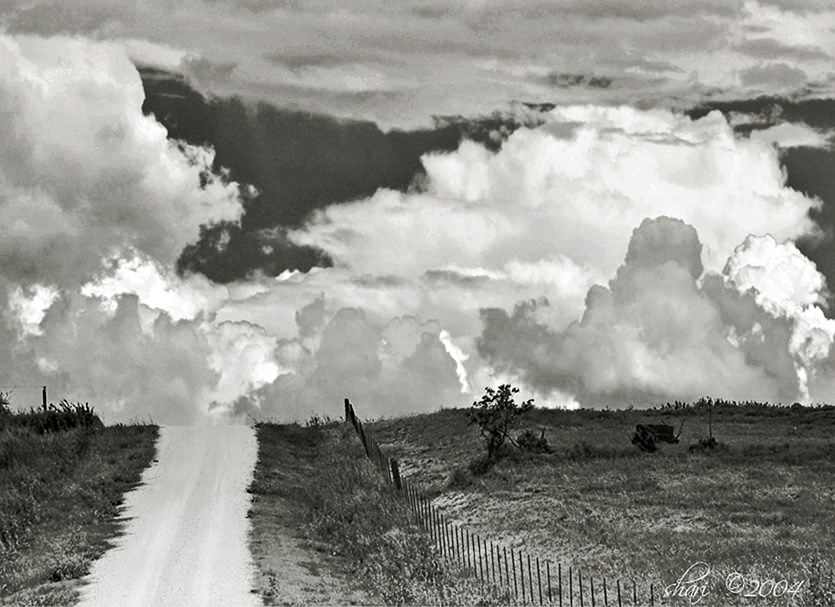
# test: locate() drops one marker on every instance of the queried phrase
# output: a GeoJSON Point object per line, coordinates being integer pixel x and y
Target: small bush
{"type": "Point", "coordinates": [496, 414]}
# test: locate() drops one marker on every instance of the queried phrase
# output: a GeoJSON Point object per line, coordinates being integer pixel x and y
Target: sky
{"type": "Point", "coordinates": [223, 210]}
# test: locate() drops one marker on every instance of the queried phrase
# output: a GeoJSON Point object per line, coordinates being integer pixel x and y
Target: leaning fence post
{"type": "Point", "coordinates": [605, 594]}
{"type": "Point", "coordinates": [539, 580]}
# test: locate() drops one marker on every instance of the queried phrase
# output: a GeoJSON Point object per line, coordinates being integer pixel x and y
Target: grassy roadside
{"type": "Point", "coordinates": [763, 504]}
{"type": "Point", "coordinates": [60, 493]}
{"type": "Point", "coordinates": [321, 481]}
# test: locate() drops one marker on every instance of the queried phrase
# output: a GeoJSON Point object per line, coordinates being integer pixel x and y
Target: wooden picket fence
{"type": "Point", "coordinates": [511, 574]}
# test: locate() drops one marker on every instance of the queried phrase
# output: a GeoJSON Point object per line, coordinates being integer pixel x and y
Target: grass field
{"type": "Point", "coordinates": [762, 504]}
{"type": "Point", "coordinates": [318, 481]}
{"type": "Point", "coordinates": [59, 497]}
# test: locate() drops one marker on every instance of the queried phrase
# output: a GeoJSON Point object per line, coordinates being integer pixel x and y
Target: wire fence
{"type": "Point", "coordinates": [510, 574]}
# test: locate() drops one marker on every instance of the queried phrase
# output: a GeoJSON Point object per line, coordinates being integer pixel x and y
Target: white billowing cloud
{"type": "Point", "coordinates": [83, 172]}
{"type": "Point", "coordinates": [780, 273]}
{"type": "Point", "coordinates": [156, 286]}
{"type": "Point", "coordinates": [384, 368]}
{"type": "Point", "coordinates": [244, 357]}
{"type": "Point", "coordinates": [567, 189]}
{"type": "Point", "coordinates": [97, 203]}
{"type": "Point", "coordinates": [652, 334]}
{"type": "Point", "coordinates": [28, 306]}
{"type": "Point", "coordinates": [788, 284]}
{"type": "Point", "coordinates": [144, 52]}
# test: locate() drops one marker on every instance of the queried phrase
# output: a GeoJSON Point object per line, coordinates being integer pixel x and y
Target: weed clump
{"type": "Point", "coordinates": [50, 418]}
{"type": "Point", "coordinates": [62, 476]}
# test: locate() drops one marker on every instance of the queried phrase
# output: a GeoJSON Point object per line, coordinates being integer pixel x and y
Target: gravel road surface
{"type": "Point", "coordinates": [186, 537]}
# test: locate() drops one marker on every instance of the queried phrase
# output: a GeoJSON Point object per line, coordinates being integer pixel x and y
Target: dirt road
{"type": "Point", "coordinates": [186, 540]}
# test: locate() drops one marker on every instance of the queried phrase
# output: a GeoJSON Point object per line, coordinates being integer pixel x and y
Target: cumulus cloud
{"type": "Point", "coordinates": [568, 188]}
{"type": "Point", "coordinates": [549, 209]}
{"type": "Point", "coordinates": [653, 332]}
{"type": "Point", "coordinates": [84, 172]}
{"type": "Point", "coordinates": [786, 283]}
{"type": "Point", "coordinates": [422, 303]}
{"type": "Point", "coordinates": [385, 368]}
{"type": "Point", "coordinates": [97, 203]}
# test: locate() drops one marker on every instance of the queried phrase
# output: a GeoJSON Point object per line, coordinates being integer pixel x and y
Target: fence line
{"type": "Point", "coordinates": [518, 581]}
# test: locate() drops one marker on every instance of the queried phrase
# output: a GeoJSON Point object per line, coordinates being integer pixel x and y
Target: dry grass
{"type": "Point", "coordinates": [356, 527]}
{"type": "Point", "coordinates": [60, 494]}
{"type": "Point", "coordinates": [763, 504]}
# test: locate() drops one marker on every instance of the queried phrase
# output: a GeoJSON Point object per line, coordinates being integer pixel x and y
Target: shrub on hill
{"type": "Point", "coordinates": [496, 414]}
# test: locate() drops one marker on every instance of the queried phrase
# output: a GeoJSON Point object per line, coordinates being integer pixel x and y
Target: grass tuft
{"type": "Point", "coordinates": [361, 522]}
{"type": "Point", "coordinates": [62, 480]}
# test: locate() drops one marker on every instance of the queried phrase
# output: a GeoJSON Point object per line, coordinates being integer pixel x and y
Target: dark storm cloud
{"type": "Point", "coordinates": [563, 80]}
{"type": "Point", "coordinates": [799, 6]}
{"type": "Point", "coordinates": [771, 49]}
{"type": "Point", "coordinates": [204, 70]}
{"type": "Point", "coordinates": [299, 62]}
{"type": "Point", "coordinates": [57, 18]}
{"type": "Point", "coordinates": [451, 277]}
{"type": "Point", "coordinates": [633, 11]}
{"type": "Point", "coordinates": [298, 162]}
{"type": "Point", "coordinates": [773, 75]}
